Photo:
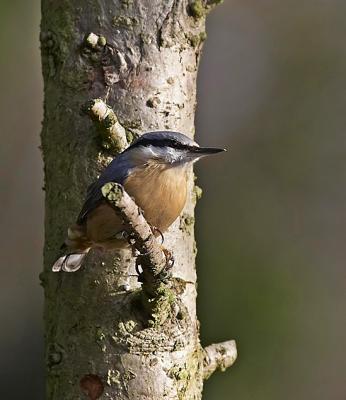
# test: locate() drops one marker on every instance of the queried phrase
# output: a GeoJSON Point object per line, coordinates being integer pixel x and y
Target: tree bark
{"type": "Point", "coordinates": [141, 57]}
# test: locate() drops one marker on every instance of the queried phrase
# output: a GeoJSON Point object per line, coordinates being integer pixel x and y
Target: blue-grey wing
{"type": "Point", "coordinates": [117, 171]}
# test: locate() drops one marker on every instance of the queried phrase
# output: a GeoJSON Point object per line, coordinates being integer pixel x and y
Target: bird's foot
{"type": "Point", "coordinates": [169, 258]}
{"type": "Point", "coordinates": [156, 232]}
{"type": "Point", "coordinates": [165, 274]}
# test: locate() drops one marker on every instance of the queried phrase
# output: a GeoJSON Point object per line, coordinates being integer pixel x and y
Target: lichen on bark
{"type": "Point", "coordinates": [100, 342]}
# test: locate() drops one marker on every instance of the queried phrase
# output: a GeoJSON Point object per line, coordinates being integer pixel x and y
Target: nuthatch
{"type": "Point", "coordinates": [153, 170]}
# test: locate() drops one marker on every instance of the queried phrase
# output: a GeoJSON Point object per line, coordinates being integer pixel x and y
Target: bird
{"type": "Point", "coordinates": [153, 171]}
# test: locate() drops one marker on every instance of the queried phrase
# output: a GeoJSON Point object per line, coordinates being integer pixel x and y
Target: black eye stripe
{"type": "Point", "coordinates": [161, 143]}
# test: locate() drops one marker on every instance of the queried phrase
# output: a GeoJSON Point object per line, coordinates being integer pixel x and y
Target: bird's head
{"type": "Point", "coordinates": [168, 148]}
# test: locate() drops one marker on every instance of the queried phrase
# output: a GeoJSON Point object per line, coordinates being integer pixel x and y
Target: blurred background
{"type": "Point", "coordinates": [271, 224]}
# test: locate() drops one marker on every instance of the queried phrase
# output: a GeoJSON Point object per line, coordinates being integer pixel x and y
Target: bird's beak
{"type": "Point", "coordinates": [208, 150]}
{"type": "Point", "coordinates": [197, 152]}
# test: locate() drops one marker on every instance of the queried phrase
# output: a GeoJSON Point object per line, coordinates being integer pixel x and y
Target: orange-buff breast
{"type": "Point", "coordinates": [159, 191]}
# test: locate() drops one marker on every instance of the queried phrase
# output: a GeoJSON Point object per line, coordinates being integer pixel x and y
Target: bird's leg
{"type": "Point", "coordinates": [165, 273]}
{"type": "Point", "coordinates": [169, 258]}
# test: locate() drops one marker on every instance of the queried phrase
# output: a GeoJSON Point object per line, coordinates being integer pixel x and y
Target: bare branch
{"type": "Point", "coordinates": [219, 356]}
{"type": "Point", "coordinates": [112, 132]}
{"type": "Point", "coordinates": [152, 259]}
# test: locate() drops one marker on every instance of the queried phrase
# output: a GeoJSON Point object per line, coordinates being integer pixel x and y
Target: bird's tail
{"type": "Point", "coordinates": [69, 262]}
{"type": "Point", "coordinates": [77, 247]}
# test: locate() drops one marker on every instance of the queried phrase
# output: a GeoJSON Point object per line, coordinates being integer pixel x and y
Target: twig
{"type": "Point", "coordinates": [112, 132]}
{"type": "Point", "coordinates": [152, 258]}
{"type": "Point", "coordinates": [219, 356]}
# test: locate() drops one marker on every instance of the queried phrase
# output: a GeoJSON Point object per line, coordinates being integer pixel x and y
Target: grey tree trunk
{"type": "Point", "coordinates": [141, 57]}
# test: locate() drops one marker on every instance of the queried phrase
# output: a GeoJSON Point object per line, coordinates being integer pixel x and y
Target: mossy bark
{"type": "Point", "coordinates": [142, 59]}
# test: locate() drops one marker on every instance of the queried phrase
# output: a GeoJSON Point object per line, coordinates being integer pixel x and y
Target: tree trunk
{"type": "Point", "coordinates": [141, 57]}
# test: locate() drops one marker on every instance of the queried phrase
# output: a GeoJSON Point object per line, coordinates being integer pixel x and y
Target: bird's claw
{"type": "Point", "coordinates": [155, 230]}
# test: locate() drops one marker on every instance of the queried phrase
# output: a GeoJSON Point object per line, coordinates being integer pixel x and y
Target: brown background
{"type": "Point", "coordinates": [270, 225]}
